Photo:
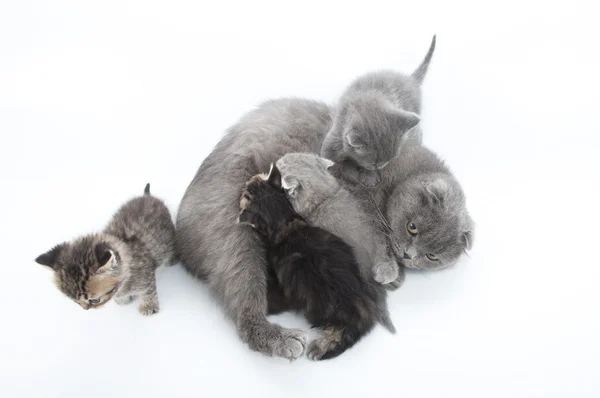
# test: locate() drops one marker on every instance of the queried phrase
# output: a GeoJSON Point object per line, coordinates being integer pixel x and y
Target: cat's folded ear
{"type": "Point", "coordinates": [105, 256]}
{"type": "Point", "coordinates": [49, 258]}
{"type": "Point", "coordinates": [468, 235]}
{"type": "Point", "coordinates": [327, 163]}
{"type": "Point", "coordinates": [354, 140]}
{"type": "Point", "coordinates": [437, 190]}
{"type": "Point", "coordinates": [274, 177]}
{"type": "Point", "coordinates": [291, 185]}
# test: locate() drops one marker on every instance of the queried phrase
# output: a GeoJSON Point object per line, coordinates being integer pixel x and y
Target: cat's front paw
{"type": "Point", "coordinates": [149, 308]}
{"type": "Point", "coordinates": [126, 299]}
{"type": "Point", "coordinates": [399, 280]}
{"type": "Point", "coordinates": [385, 272]}
{"type": "Point", "coordinates": [369, 178]}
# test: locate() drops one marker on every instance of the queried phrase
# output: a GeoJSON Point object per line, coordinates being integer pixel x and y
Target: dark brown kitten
{"type": "Point", "coordinates": [316, 271]}
{"type": "Point", "coordinates": [121, 261]}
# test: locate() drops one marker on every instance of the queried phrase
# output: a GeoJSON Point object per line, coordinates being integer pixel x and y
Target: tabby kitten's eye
{"type": "Point", "coordinates": [94, 301]}
{"type": "Point", "coordinates": [412, 228]}
{"type": "Point", "coordinates": [432, 257]}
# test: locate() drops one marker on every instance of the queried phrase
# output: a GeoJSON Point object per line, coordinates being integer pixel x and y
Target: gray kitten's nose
{"type": "Point", "coordinates": [407, 256]}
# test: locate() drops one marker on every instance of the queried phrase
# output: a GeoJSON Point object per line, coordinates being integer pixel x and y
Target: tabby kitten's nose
{"type": "Point", "coordinates": [407, 256]}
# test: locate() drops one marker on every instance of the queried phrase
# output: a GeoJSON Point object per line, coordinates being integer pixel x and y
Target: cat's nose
{"type": "Point", "coordinates": [407, 256]}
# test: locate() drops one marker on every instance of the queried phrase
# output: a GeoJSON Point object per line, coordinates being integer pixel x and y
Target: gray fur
{"type": "Point", "coordinates": [229, 257]}
{"type": "Point", "coordinates": [374, 117]}
{"type": "Point", "coordinates": [319, 198]}
{"type": "Point", "coordinates": [121, 261]}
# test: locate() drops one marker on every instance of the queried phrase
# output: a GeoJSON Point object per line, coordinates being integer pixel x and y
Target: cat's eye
{"type": "Point", "coordinates": [95, 301]}
{"type": "Point", "coordinates": [412, 228]}
{"type": "Point", "coordinates": [432, 257]}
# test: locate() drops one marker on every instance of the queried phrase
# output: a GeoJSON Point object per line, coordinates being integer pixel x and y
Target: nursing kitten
{"type": "Point", "coordinates": [121, 261]}
{"type": "Point", "coordinates": [378, 112]}
{"type": "Point", "coordinates": [321, 200]}
{"type": "Point", "coordinates": [315, 269]}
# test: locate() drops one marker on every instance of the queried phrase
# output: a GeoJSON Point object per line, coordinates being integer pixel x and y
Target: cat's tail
{"type": "Point", "coordinates": [336, 340]}
{"type": "Point", "coordinates": [147, 189]}
{"type": "Point", "coordinates": [421, 71]}
{"type": "Point", "coordinates": [386, 322]}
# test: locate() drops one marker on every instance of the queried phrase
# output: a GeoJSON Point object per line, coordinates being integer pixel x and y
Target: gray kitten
{"type": "Point", "coordinates": [121, 261]}
{"type": "Point", "coordinates": [320, 199]}
{"type": "Point", "coordinates": [378, 112]}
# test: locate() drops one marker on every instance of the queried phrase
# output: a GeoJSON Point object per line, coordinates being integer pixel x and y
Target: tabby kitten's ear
{"type": "Point", "coordinates": [105, 257]}
{"type": "Point", "coordinates": [245, 218]}
{"type": "Point", "coordinates": [274, 177]}
{"type": "Point", "coordinates": [49, 258]}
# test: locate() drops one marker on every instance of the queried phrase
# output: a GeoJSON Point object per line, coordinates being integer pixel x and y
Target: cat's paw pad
{"type": "Point", "coordinates": [149, 308]}
{"type": "Point", "coordinates": [386, 272]}
{"type": "Point", "coordinates": [124, 300]}
{"type": "Point", "coordinates": [291, 344]}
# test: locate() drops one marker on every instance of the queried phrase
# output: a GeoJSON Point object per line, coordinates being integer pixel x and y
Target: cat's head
{"type": "Point", "coordinates": [88, 270]}
{"type": "Point", "coordinates": [430, 223]}
{"type": "Point", "coordinates": [373, 130]}
{"type": "Point", "coordinates": [264, 205]}
{"type": "Point", "coordinates": [306, 180]}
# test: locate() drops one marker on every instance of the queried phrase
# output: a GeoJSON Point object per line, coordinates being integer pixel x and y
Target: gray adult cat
{"type": "Point", "coordinates": [230, 258]}
{"type": "Point", "coordinates": [376, 114]}
{"type": "Point", "coordinates": [321, 200]}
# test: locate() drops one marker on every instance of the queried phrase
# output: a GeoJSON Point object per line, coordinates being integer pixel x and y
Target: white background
{"type": "Point", "coordinates": [98, 98]}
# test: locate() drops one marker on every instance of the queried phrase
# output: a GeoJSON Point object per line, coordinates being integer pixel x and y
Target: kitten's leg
{"type": "Point", "coordinates": [275, 298]}
{"type": "Point", "coordinates": [149, 299]}
{"type": "Point", "coordinates": [385, 269]}
{"type": "Point", "coordinates": [369, 178]}
{"type": "Point", "coordinates": [125, 299]}
{"type": "Point", "coordinates": [399, 280]}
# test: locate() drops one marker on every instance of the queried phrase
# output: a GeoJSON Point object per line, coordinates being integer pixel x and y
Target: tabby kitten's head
{"type": "Point", "coordinates": [88, 270]}
{"type": "Point", "coordinates": [264, 205]}
{"type": "Point", "coordinates": [430, 223]}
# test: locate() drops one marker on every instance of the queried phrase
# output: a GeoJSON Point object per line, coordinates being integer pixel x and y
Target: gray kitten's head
{"type": "Point", "coordinates": [372, 129]}
{"type": "Point", "coordinates": [88, 270]}
{"type": "Point", "coordinates": [306, 180]}
{"type": "Point", "coordinates": [430, 223]}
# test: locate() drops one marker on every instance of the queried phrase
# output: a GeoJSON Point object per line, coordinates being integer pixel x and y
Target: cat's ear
{"type": "Point", "coordinates": [467, 239]}
{"type": "Point", "coordinates": [437, 190]}
{"type": "Point", "coordinates": [105, 256]}
{"type": "Point", "coordinates": [244, 218]}
{"type": "Point", "coordinates": [354, 140]}
{"type": "Point", "coordinates": [291, 185]}
{"type": "Point", "coordinates": [327, 163]}
{"type": "Point", "coordinates": [49, 258]}
{"type": "Point", "coordinates": [274, 178]}
{"type": "Point", "coordinates": [408, 120]}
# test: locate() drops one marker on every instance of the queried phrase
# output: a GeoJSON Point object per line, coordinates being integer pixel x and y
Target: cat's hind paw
{"type": "Point", "coordinates": [149, 308]}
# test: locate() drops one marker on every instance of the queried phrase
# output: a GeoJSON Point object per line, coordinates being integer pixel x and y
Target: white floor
{"type": "Point", "coordinates": [98, 98]}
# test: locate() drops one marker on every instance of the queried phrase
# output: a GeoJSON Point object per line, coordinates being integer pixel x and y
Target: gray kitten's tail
{"type": "Point", "coordinates": [147, 189]}
{"type": "Point", "coordinates": [387, 323]}
{"type": "Point", "coordinates": [421, 71]}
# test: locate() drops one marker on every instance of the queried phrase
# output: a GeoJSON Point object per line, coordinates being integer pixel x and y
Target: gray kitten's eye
{"type": "Point", "coordinates": [412, 228]}
{"type": "Point", "coordinates": [432, 257]}
{"type": "Point", "coordinates": [95, 301]}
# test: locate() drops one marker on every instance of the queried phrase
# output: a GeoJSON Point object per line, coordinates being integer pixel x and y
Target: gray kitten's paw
{"type": "Point", "coordinates": [399, 280]}
{"type": "Point", "coordinates": [122, 300]}
{"type": "Point", "coordinates": [385, 272]}
{"type": "Point", "coordinates": [290, 344]}
{"type": "Point", "coordinates": [149, 308]}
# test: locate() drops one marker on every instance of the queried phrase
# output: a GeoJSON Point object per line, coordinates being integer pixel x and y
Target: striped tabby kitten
{"type": "Point", "coordinates": [121, 261]}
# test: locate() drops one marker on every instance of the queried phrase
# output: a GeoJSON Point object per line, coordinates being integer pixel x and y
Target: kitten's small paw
{"type": "Point", "coordinates": [291, 344]}
{"type": "Point", "coordinates": [385, 272]}
{"type": "Point", "coordinates": [122, 300]}
{"type": "Point", "coordinates": [369, 178]}
{"type": "Point", "coordinates": [149, 308]}
{"type": "Point", "coordinates": [399, 280]}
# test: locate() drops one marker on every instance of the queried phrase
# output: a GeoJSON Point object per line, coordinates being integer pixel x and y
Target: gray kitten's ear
{"type": "Point", "coordinates": [49, 258]}
{"type": "Point", "coordinates": [291, 185]}
{"type": "Point", "coordinates": [408, 120]}
{"type": "Point", "coordinates": [354, 140]}
{"type": "Point", "coordinates": [327, 163]}
{"type": "Point", "coordinates": [438, 189]}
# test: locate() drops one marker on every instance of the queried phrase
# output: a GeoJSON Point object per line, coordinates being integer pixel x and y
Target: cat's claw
{"type": "Point", "coordinates": [385, 272]}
